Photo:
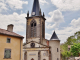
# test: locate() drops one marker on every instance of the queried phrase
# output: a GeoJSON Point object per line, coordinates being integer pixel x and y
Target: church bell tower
{"type": "Point", "coordinates": [35, 24]}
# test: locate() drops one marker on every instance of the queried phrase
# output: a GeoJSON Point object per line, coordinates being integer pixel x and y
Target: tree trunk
{"type": "Point", "coordinates": [79, 54]}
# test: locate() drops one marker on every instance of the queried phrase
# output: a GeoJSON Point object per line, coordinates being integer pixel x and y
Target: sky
{"type": "Point", "coordinates": [63, 16]}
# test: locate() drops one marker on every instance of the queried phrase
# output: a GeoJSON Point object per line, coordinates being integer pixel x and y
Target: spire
{"type": "Point", "coordinates": [43, 14]}
{"type": "Point", "coordinates": [28, 14]}
{"type": "Point", "coordinates": [54, 36]}
{"type": "Point", "coordinates": [36, 8]}
{"type": "Point", "coordinates": [40, 12]}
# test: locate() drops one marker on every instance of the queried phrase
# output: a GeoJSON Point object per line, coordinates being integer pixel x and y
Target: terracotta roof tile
{"type": "Point", "coordinates": [6, 32]}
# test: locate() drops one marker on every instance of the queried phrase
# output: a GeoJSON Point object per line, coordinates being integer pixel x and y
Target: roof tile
{"type": "Point", "coordinates": [6, 32]}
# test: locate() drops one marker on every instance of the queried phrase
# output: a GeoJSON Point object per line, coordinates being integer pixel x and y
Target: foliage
{"type": "Point", "coordinates": [75, 39]}
{"type": "Point", "coordinates": [64, 51]}
{"type": "Point", "coordinates": [75, 49]}
{"type": "Point", "coordinates": [71, 40]}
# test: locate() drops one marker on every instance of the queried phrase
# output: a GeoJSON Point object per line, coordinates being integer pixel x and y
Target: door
{"type": "Point", "coordinates": [32, 59]}
{"type": "Point", "coordinates": [25, 56]}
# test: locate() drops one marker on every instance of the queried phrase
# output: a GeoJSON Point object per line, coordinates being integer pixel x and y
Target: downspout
{"type": "Point", "coordinates": [40, 30]}
{"type": "Point", "coordinates": [20, 49]}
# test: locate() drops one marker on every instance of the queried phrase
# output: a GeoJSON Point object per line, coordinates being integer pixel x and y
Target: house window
{"type": "Point", "coordinates": [8, 40]}
{"type": "Point", "coordinates": [33, 28]}
{"type": "Point", "coordinates": [57, 49]}
{"type": "Point", "coordinates": [68, 49]}
{"type": "Point", "coordinates": [7, 53]}
{"type": "Point", "coordinates": [57, 59]}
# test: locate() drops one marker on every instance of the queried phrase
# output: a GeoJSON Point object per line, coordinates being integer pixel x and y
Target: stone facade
{"type": "Point", "coordinates": [42, 50]}
{"type": "Point", "coordinates": [37, 47]}
{"type": "Point", "coordinates": [55, 49]}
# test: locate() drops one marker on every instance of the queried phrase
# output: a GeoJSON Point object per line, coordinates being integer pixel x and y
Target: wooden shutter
{"type": "Point", "coordinates": [7, 53]}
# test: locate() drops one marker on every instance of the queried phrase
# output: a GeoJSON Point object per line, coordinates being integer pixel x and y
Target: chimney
{"type": "Point", "coordinates": [10, 27]}
{"type": "Point", "coordinates": [47, 43]}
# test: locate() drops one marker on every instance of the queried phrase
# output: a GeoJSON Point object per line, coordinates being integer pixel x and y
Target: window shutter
{"type": "Point", "coordinates": [7, 53]}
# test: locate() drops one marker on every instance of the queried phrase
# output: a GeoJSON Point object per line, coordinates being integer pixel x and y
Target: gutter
{"type": "Point", "coordinates": [20, 49]}
{"type": "Point", "coordinates": [12, 35]}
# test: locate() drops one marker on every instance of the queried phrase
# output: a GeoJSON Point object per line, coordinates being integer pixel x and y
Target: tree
{"type": "Point", "coordinates": [75, 49]}
{"type": "Point", "coordinates": [64, 51]}
{"type": "Point", "coordinates": [70, 41]}
{"type": "Point", "coordinates": [77, 36]}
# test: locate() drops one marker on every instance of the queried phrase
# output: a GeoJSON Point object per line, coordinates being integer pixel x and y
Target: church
{"type": "Point", "coordinates": [37, 47]}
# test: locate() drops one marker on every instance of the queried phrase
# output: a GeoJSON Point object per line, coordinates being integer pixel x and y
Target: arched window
{"type": "Point", "coordinates": [33, 28]}
{"type": "Point", "coordinates": [42, 29]}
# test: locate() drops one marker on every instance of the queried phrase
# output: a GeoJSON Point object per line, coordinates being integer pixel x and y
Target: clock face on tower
{"type": "Point", "coordinates": [32, 45]}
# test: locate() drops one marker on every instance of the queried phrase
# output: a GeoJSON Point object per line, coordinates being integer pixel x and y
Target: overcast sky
{"type": "Point", "coordinates": [63, 16]}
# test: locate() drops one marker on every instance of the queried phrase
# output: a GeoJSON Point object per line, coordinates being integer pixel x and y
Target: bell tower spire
{"type": "Point", "coordinates": [35, 27]}
{"type": "Point", "coordinates": [36, 8]}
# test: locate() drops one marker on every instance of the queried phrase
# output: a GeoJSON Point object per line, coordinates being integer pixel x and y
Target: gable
{"type": "Point", "coordinates": [37, 45]}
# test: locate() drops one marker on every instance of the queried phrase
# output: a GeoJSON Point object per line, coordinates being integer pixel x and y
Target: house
{"type": "Point", "coordinates": [77, 58]}
{"type": "Point", "coordinates": [37, 47]}
{"type": "Point", "coordinates": [11, 44]}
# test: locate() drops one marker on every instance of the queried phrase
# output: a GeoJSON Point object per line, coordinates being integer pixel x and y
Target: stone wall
{"type": "Point", "coordinates": [55, 49]}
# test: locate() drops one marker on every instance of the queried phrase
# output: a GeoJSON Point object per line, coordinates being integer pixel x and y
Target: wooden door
{"type": "Point", "coordinates": [32, 59]}
{"type": "Point", "coordinates": [25, 56]}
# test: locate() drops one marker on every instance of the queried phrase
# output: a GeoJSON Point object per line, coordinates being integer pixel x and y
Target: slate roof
{"type": "Point", "coordinates": [6, 32]}
{"type": "Point", "coordinates": [54, 36]}
{"type": "Point", "coordinates": [36, 8]}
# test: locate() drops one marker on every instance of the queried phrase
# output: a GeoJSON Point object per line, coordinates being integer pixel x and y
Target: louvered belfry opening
{"type": "Point", "coordinates": [33, 28]}
{"type": "Point", "coordinates": [42, 29]}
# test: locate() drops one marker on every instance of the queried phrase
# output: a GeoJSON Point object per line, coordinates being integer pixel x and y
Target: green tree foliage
{"type": "Point", "coordinates": [75, 49]}
{"type": "Point", "coordinates": [64, 51]}
{"type": "Point", "coordinates": [70, 41]}
{"type": "Point", "coordinates": [77, 36]}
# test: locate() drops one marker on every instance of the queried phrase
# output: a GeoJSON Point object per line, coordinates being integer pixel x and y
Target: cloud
{"type": "Point", "coordinates": [48, 36]}
{"type": "Point", "coordinates": [16, 4]}
{"type": "Point", "coordinates": [3, 6]}
{"type": "Point", "coordinates": [43, 1]}
{"type": "Point", "coordinates": [75, 23]}
{"type": "Point", "coordinates": [19, 21]}
{"type": "Point", "coordinates": [13, 4]}
{"type": "Point", "coordinates": [24, 40]}
{"type": "Point", "coordinates": [65, 32]}
{"type": "Point", "coordinates": [55, 18]}
{"type": "Point", "coordinates": [69, 31]}
{"type": "Point", "coordinates": [67, 5]}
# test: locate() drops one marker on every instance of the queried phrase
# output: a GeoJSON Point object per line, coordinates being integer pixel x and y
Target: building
{"type": "Point", "coordinates": [11, 44]}
{"type": "Point", "coordinates": [37, 47]}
